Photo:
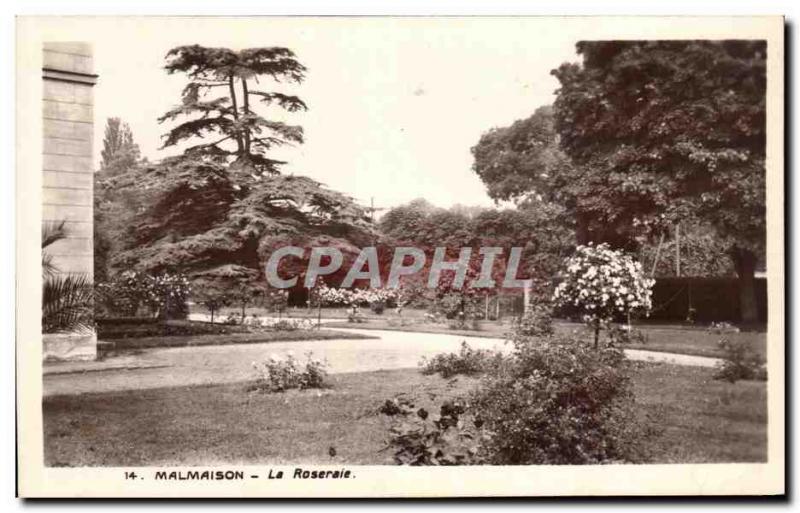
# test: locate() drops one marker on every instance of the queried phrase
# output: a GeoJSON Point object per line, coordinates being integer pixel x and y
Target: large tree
{"type": "Point", "coordinates": [218, 210]}
{"type": "Point", "coordinates": [240, 134]}
{"type": "Point", "coordinates": [673, 131]}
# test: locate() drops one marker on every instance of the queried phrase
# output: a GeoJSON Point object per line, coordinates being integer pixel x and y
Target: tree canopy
{"type": "Point", "coordinates": [645, 135]}
{"type": "Point", "coordinates": [671, 131]}
{"type": "Point", "coordinates": [216, 212]}
{"type": "Point", "coordinates": [120, 152]}
{"type": "Point", "coordinates": [240, 134]}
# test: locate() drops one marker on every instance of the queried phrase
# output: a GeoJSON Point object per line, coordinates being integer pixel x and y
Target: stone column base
{"type": "Point", "coordinates": [70, 346]}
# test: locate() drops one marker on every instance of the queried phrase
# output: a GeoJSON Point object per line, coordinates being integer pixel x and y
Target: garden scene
{"type": "Point", "coordinates": [628, 328]}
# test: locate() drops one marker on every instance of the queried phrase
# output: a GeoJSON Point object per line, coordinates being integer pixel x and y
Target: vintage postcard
{"type": "Point", "coordinates": [400, 256]}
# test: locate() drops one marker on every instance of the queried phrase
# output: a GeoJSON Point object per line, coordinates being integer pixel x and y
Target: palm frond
{"type": "Point", "coordinates": [67, 304]}
{"type": "Point", "coordinates": [53, 231]}
{"type": "Point", "coordinates": [48, 267]}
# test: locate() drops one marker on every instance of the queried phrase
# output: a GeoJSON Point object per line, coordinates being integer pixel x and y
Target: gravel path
{"type": "Point", "coordinates": [181, 366]}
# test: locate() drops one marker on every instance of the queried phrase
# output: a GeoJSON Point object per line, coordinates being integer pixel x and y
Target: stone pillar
{"type": "Point", "coordinates": [67, 185]}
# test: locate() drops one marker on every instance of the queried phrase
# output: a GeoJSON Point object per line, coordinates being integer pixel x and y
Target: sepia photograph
{"type": "Point", "coordinates": [296, 256]}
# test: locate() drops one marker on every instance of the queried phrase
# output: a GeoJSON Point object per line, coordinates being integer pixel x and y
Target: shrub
{"type": "Point", "coordinates": [560, 402]}
{"type": "Point", "coordinates": [739, 363]}
{"type": "Point", "coordinates": [424, 439]}
{"type": "Point", "coordinates": [600, 284]}
{"type": "Point", "coordinates": [164, 295]}
{"type": "Point", "coordinates": [377, 307]}
{"type": "Point", "coordinates": [278, 375]}
{"type": "Point", "coordinates": [536, 322]}
{"type": "Point", "coordinates": [285, 325]}
{"type": "Point", "coordinates": [623, 335]}
{"type": "Point", "coordinates": [122, 328]}
{"type": "Point", "coordinates": [467, 361]}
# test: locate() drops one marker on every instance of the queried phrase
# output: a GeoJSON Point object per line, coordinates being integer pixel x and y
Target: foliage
{"type": "Point", "coordinates": [667, 132]}
{"type": "Point", "coordinates": [217, 211]}
{"type": "Point", "coordinates": [600, 283]}
{"type": "Point", "coordinates": [626, 334]}
{"type": "Point", "coordinates": [67, 304]}
{"type": "Point", "coordinates": [164, 295]}
{"type": "Point", "coordinates": [133, 327]}
{"type": "Point", "coordinates": [330, 296]}
{"type": "Point", "coordinates": [200, 221]}
{"type": "Point", "coordinates": [420, 438]}
{"type": "Point", "coordinates": [243, 135]}
{"type": "Point", "coordinates": [537, 321]}
{"type": "Point", "coordinates": [701, 249]}
{"type": "Point", "coordinates": [119, 153]}
{"type": "Point", "coordinates": [67, 299]}
{"type": "Point", "coordinates": [739, 362]}
{"type": "Point", "coordinates": [558, 402]}
{"type": "Point", "coordinates": [467, 362]}
{"type": "Point", "coordinates": [279, 375]}
{"type": "Point", "coordinates": [460, 305]}
{"type": "Point", "coordinates": [544, 241]}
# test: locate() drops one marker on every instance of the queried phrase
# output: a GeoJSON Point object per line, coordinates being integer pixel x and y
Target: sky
{"type": "Point", "coordinates": [394, 104]}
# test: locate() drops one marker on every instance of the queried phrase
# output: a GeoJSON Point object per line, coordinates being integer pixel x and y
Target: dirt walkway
{"type": "Point", "coordinates": [183, 366]}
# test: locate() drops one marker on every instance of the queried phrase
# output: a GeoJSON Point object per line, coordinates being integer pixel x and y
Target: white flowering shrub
{"type": "Point", "coordinates": [164, 295]}
{"type": "Point", "coordinates": [289, 324]}
{"type": "Point", "coordinates": [600, 283]}
{"type": "Point", "coordinates": [329, 296]}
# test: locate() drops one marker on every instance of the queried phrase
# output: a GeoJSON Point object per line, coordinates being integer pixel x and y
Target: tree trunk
{"type": "Point", "coordinates": [235, 111]}
{"type": "Point", "coordinates": [744, 262]}
{"type": "Point", "coordinates": [246, 108]}
{"type": "Point", "coordinates": [596, 334]}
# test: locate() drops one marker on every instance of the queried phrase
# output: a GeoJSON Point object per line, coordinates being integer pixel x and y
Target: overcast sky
{"type": "Point", "coordinates": [394, 104]}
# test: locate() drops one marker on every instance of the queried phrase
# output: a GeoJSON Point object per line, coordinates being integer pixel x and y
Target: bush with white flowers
{"type": "Point", "coordinates": [601, 283]}
{"type": "Point", "coordinates": [329, 296]}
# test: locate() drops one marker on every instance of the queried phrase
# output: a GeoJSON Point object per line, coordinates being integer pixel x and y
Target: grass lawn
{"type": "Point", "coordinates": [703, 420]}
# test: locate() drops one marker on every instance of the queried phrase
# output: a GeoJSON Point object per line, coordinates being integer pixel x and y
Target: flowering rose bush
{"type": "Point", "coordinates": [277, 374]}
{"type": "Point", "coordinates": [362, 297]}
{"type": "Point", "coordinates": [601, 283]}
{"type": "Point", "coordinates": [164, 295]}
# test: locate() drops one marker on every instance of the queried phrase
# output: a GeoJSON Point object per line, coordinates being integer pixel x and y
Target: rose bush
{"type": "Point", "coordinates": [601, 284]}
{"type": "Point", "coordinates": [329, 296]}
{"type": "Point", "coordinates": [280, 374]}
{"type": "Point", "coordinates": [164, 295]}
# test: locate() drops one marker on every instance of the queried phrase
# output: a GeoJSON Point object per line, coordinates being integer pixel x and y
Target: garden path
{"type": "Point", "coordinates": [182, 366]}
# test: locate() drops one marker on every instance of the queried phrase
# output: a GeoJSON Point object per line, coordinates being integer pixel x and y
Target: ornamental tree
{"type": "Point", "coordinates": [672, 131]}
{"type": "Point", "coordinates": [599, 284]}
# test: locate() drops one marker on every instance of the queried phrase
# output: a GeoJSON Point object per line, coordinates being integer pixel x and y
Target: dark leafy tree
{"type": "Point", "coordinates": [216, 212]}
{"type": "Point", "coordinates": [673, 131]}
